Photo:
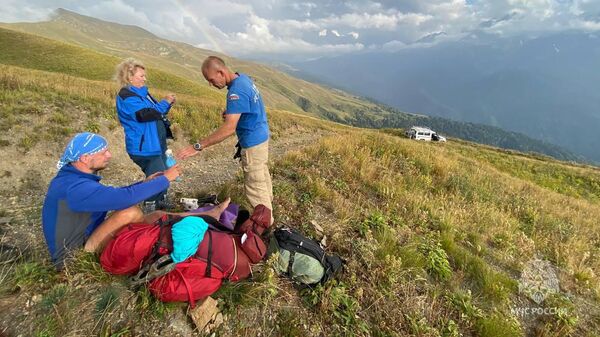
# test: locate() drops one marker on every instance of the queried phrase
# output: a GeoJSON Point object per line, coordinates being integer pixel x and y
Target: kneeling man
{"type": "Point", "coordinates": [75, 208]}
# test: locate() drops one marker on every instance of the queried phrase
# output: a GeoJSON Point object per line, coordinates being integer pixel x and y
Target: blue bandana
{"type": "Point", "coordinates": [82, 143]}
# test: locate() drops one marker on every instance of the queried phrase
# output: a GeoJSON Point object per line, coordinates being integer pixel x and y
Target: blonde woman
{"type": "Point", "coordinates": [144, 120]}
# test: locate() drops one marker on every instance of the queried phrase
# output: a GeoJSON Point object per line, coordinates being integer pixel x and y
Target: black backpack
{"type": "Point", "coordinates": [301, 258]}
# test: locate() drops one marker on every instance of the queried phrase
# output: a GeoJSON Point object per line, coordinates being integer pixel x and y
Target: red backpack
{"type": "Point", "coordinates": [220, 255]}
{"type": "Point", "coordinates": [125, 254]}
{"type": "Point", "coordinates": [185, 283]}
{"type": "Point", "coordinates": [134, 244]}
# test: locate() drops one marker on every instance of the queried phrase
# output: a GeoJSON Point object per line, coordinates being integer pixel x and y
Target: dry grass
{"type": "Point", "coordinates": [435, 235]}
{"type": "Point", "coordinates": [489, 224]}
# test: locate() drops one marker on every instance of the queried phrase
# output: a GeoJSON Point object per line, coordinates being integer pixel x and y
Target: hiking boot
{"type": "Point", "coordinates": [149, 272]}
{"type": "Point", "coordinates": [148, 207]}
{"type": "Point", "coordinates": [165, 205]}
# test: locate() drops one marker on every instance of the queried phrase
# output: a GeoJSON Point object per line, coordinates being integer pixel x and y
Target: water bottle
{"type": "Point", "coordinates": [171, 160]}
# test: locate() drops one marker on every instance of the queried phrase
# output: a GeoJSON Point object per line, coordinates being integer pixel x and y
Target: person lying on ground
{"type": "Point", "coordinates": [75, 209]}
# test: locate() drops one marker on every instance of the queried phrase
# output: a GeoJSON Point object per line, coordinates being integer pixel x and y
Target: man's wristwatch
{"type": "Point", "coordinates": [198, 147]}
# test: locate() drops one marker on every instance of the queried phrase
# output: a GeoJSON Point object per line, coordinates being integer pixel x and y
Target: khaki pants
{"type": "Point", "coordinates": [257, 179]}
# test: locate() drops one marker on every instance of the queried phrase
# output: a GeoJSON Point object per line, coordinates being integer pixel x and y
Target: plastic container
{"type": "Point", "coordinates": [170, 161]}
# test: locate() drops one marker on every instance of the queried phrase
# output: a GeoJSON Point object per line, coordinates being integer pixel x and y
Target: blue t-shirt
{"type": "Point", "coordinates": [243, 98]}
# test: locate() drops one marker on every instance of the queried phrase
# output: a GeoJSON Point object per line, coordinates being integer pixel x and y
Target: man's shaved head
{"type": "Point", "coordinates": [213, 62]}
{"type": "Point", "coordinates": [216, 72]}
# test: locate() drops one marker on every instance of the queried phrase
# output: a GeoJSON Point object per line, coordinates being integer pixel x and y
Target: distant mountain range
{"type": "Point", "coordinates": [545, 87]}
{"type": "Point", "coordinates": [281, 91]}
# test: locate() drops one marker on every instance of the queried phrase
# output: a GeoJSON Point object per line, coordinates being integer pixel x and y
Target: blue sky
{"type": "Point", "coordinates": [306, 29]}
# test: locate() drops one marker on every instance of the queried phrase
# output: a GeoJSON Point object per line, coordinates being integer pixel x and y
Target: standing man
{"type": "Point", "coordinates": [75, 208]}
{"type": "Point", "coordinates": [245, 115]}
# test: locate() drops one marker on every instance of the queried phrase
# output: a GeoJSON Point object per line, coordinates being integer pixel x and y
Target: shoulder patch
{"type": "Point", "coordinates": [234, 97]}
{"type": "Point", "coordinates": [126, 93]}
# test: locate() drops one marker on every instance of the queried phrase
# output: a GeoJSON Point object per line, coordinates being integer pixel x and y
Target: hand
{"type": "Point", "coordinates": [153, 175]}
{"type": "Point", "coordinates": [171, 98]}
{"type": "Point", "coordinates": [186, 152]}
{"type": "Point", "coordinates": [172, 172]}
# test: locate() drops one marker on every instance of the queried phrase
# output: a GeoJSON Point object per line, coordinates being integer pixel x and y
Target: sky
{"type": "Point", "coordinates": [298, 30]}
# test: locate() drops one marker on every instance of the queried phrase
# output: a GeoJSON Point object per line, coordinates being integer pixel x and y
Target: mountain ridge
{"type": "Point", "coordinates": [542, 87]}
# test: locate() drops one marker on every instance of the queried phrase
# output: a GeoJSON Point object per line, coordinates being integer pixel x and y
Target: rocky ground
{"type": "Point", "coordinates": [20, 212]}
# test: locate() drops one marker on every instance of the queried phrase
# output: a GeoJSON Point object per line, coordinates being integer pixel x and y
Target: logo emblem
{"type": "Point", "coordinates": [538, 280]}
{"type": "Point", "coordinates": [234, 97]}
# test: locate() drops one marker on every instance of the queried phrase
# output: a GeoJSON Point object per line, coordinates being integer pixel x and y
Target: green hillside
{"type": "Point", "coordinates": [436, 236]}
{"type": "Point", "coordinates": [279, 89]}
{"type": "Point", "coordinates": [30, 51]}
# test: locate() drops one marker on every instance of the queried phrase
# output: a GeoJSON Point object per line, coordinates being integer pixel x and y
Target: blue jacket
{"type": "Point", "coordinates": [76, 204]}
{"type": "Point", "coordinates": [142, 119]}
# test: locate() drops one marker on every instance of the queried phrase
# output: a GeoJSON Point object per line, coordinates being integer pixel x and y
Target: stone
{"type": "Point", "coordinates": [204, 313]}
{"type": "Point", "coordinates": [179, 325]}
{"type": "Point", "coordinates": [217, 322]}
{"type": "Point", "coordinates": [318, 228]}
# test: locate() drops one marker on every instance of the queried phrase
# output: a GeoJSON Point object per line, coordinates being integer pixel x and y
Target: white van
{"type": "Point", "coordinates": [419, 133]}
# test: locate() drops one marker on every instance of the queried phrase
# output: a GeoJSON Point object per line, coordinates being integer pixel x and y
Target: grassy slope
{"type": "Point", "coordinates": [435, 235]}
{"type": "Point", "coordinates": [35, 52]}
{"type": "Point", "coordinates": [279, 89]}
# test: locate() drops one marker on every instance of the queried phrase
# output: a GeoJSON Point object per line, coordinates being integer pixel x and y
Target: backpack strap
{"type": "Point", "coordinates": [191, 298]}
{"type": "Point", "coordinates": [208, 270]}
{"type": "Point", "coordinates": [291, 263]}
{"type": "Point", "coordinates": [156, 247]}
{"type": "Point", "coordinates": [235, 257]}
{"type": "Point", "coordinates": [161, 242]}
{"type": "Point", "coordinates": [213, 223]}
{"type": "Point", "coordinates": [152, 99]}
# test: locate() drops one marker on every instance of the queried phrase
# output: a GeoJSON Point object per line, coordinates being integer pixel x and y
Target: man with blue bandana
{"type": "Point", "coordinates": [75, 208]}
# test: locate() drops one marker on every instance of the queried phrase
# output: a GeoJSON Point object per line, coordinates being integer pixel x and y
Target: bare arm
{"type": "Point", "coordinates": [220, 134]}
{"type": "Point", "coordinates": [224, 131]}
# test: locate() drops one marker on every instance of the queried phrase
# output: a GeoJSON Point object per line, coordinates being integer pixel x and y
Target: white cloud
{"type": "Point", "coordinates": [297, 27]}
{"type": "Point", "coordinates": [17, 11]}
{"type": "Point", "coordinates": [305, 7]}
{"type": "Point", "coordinates": [257, 38]}
{"type": "Point", "coordinates": [377, 20]}
{"type": "Point", "coordinates": [293, 28]}
{"type": "Point", "coordinates": [391, 46]}
{"type": "Point", "coordinates": [586, 25]}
